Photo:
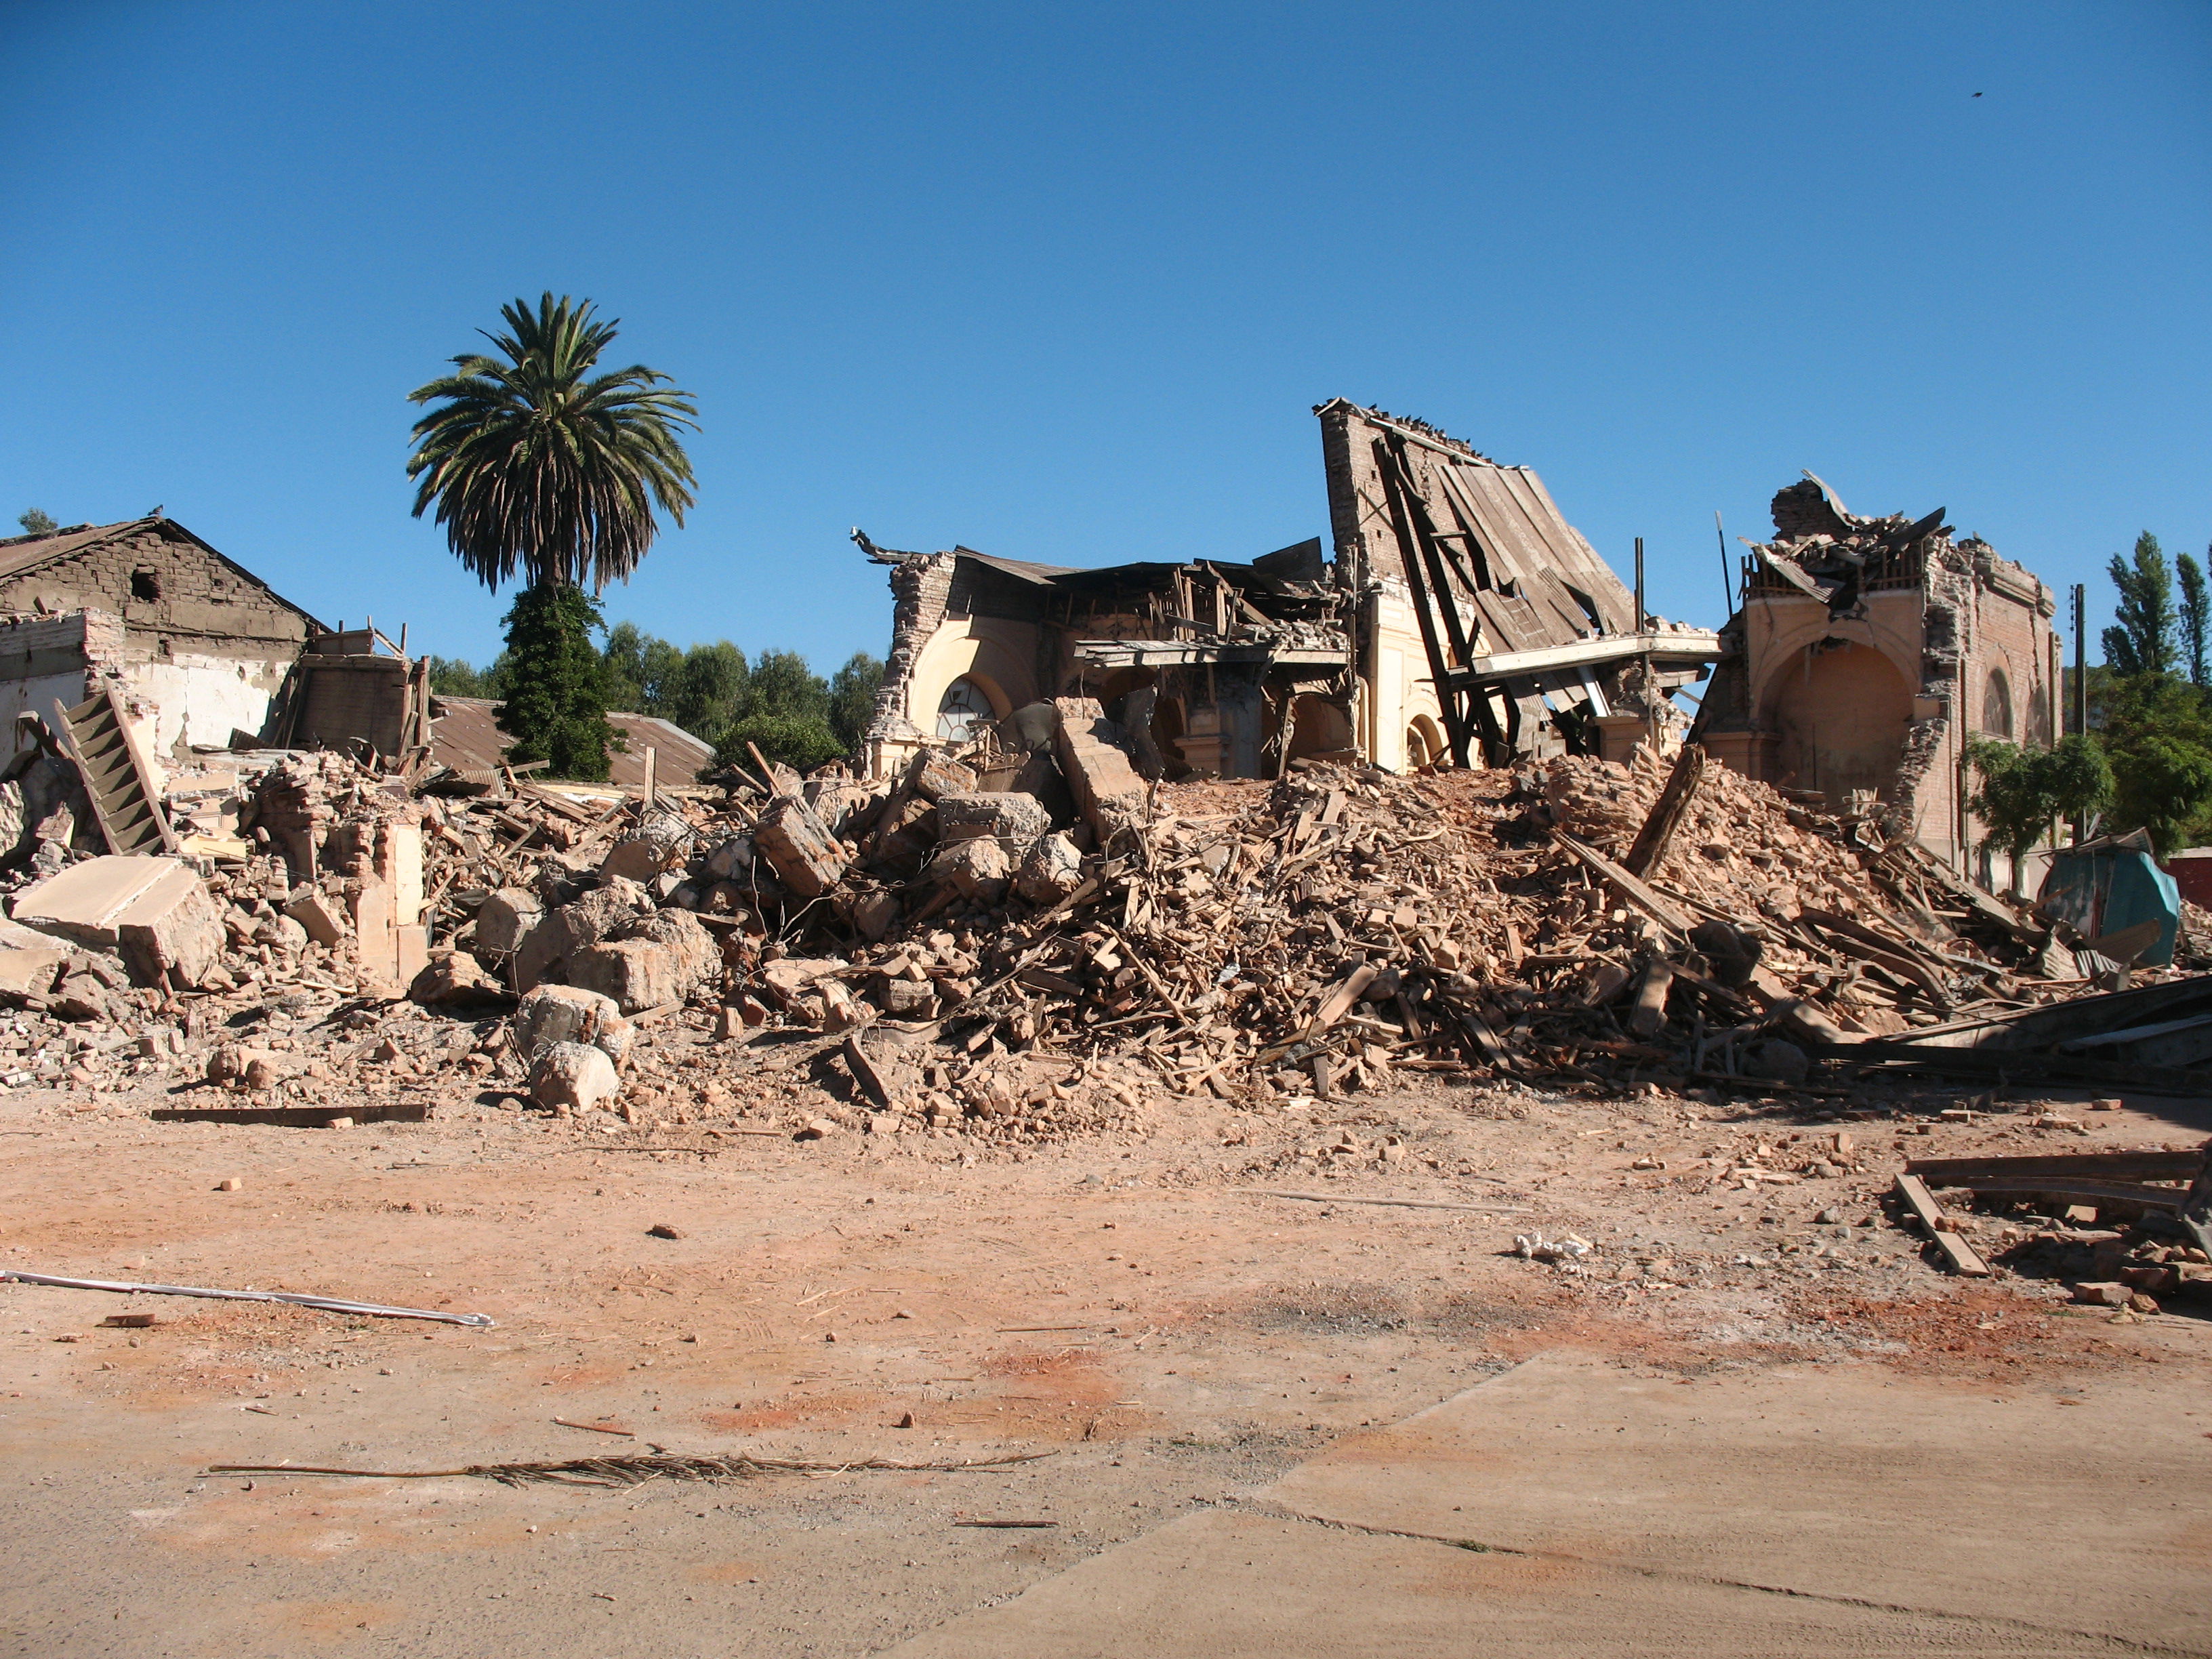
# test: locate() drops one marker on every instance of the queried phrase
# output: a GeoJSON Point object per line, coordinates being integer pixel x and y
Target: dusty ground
{"type": "Point", "coordinates": [1143, 1308]}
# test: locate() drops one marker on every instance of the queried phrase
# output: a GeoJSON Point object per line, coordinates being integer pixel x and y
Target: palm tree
{"type": "Point", "coordinates": [538, 467]}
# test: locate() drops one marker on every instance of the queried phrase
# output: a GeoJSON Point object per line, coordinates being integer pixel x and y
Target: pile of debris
{"type": "Point", "coordinates": [1022, 940]}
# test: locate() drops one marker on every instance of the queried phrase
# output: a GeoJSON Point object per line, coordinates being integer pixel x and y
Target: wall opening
{"type": "Point", "coordinates": [1318, 728]}
{"type": "Point", "coordinates": [1839, 713]}
{"type": "Point", "coordinates": [963, 711]}
{"type": "Point", "coordinates": [1425, 743]}
{"type": "Point", "coordinates": [1997, 706]}
{"type": "Point", "coordinates": [145, 585]}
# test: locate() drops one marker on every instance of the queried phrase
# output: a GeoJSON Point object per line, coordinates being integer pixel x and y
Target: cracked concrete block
{"type": "Point", "coordinates": [1107, 791]}
{"type": "Point", "coordinates": [635, 973]}
{"type": "Point", "coordinates": [932, 776]}
{"type": "Point", "coordinates": [978, 867]}
{"type": "Point", "coordinates": [505, 919]}
{"type": "Point", "coordinates": [571, 928]}
{"type": "Point", "coordinates": [454, 979]}
{"type": "Point", "coordinates": [1015, 819]}
{"type": "Point", "coordinates": [647, 850]}
{"type": "Point", "coordinates": [321, 918]}
{"type": "Point", "coordinates": [573, 1076]}
{"type": "Point", "coordinates": [154, 910]}
{"type": "Point", "coordinates": [805, 856]}
{"type": "Point", "coordinates": [30, 963]}
{"type": "Point", "coordinates": [1050, 870]}
{"type": "Point", "coordinates": [568, 1013]}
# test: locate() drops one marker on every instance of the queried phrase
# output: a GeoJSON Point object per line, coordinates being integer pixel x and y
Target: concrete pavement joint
{"type": "Point", "coordinates": [2116, 1643]}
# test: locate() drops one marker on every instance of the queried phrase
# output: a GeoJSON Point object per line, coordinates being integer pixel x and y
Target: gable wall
{"type": "Point", "coordinates": [203, 606]}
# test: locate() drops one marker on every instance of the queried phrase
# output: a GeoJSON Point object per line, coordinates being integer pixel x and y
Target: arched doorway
{"type": "Point", "coordinates": [1425, 743]}
{"type": "Point", "coordinates": [1840, 713]}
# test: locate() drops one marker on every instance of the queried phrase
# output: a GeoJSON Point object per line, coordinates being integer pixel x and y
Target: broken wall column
{"type": "Point", "coordinates": [920, 586]}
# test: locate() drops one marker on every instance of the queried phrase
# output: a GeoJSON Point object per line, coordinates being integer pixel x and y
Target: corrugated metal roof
{"type": "Point", "coordinates": [1022, 569]}
{"type": "Point", "coordinates": [1514, 559]}
{"type": "Point", "coordinates": [465, 735]}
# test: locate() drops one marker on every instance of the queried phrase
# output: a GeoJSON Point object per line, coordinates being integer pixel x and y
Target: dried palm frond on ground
{"type": "Point", "coordinates": [635, 1471]}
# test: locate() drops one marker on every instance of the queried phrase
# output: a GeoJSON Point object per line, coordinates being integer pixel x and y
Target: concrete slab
{"type": "Point", "coordinates": [87, 901]}
{"type": "Point", "coordinates": [1229, 1586]}
{"type": "Point", "coordinates": [1840, 1481]}
{"type": "Point", "coordinates": [1571, 1506]}
{"type": "Point", "coordinates": [28, 961]}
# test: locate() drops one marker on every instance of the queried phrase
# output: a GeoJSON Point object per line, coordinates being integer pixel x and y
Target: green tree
{"type": "Point", "coordinates": [37, 521]}
{"type": "Point", "coordinates": [2141, 640]}
{"type": "Point", "coordinates": [2195, 615]}
{"type": "Point", "coordinates": [2024, 791]}
{"type": "Point", "coordinates": [642, 670]}
{"type": "Point", "coordinates": [712, 690]}
{"type": "Point", "coordinates": [556, 711]}
{"type": "Point", "coordinates": [539, 468]}
{"type": "Point", "coordinates": [853, 697]}
{"type": "Point", "coordinates": [2158, 737]}
{"type": "Point", "coordinates": [453, 677]}
{"type": "Point", "coordinates": [800, 741]}
{"type": "Point", "coordinates": [783, 685]}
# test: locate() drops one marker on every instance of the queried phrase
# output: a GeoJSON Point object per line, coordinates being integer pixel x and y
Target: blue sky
{"type": "Point", "coordinates": [1064, 282]}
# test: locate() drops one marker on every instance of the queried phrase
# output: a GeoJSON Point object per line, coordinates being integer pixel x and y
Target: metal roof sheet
{"type": "Point", "coordinates": [465, 735]}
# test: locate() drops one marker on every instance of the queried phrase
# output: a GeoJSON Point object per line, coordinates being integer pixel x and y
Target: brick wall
{"type": "Point", "coordinates": [164, 586]}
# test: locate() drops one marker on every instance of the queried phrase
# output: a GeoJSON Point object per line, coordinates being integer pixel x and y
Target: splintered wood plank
{"type": "Point", "coordinates": [1667, 811]}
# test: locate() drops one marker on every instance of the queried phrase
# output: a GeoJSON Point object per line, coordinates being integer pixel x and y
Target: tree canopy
{"type": "Point", "coordinates": [2142, 638]}
{"type": "Point", "coordinates": [776, 702]}
{"type": "Point", "coordinates": [537, 467]}
{"type": "Point", "coordinates": [2195, 616]}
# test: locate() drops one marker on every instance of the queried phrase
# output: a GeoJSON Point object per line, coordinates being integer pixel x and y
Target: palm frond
{"type": "Point", "coordinates": [534, 465]}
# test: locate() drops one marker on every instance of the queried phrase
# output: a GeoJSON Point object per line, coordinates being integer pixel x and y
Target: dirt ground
{"type": "Point", "coordinates": [1151, 1311]}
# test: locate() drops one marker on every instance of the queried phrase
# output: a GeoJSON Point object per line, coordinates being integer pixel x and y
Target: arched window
{"type": "Point", "coordinates": [1997, 706]}
{"type": "Point", "coordinates": [963, 711]}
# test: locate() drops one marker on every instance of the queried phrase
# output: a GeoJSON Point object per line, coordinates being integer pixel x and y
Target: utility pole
{"type": "Point", "coordinates": [1727, 588]}
{"type": "Point", "coordinates": [2081, 681]}
{"type": "Point", "coordinates": [1643, 626]}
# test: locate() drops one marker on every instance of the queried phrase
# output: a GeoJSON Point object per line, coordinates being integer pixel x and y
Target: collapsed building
{"type": "Point", "coordinates": [195, 646]}
{"type": "Point", "coordinates": [1867, 652]}
{"type": "Point", "coordinates": [1460, 607]}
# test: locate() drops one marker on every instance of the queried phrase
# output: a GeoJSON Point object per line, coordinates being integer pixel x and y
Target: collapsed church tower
{"type": "Point", "coordinates": [1867, 652]}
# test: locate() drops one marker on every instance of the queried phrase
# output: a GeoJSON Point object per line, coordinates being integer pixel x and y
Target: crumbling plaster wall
{"type": "Point", "coordinates": [198, 646]}
{"type": "Point", "coordinates": [166, 587]}
{"type": "Point", "coordinates": [191, 697]}
{"type": "Point", "coordinates": [170, 699]}
{"type": "Point", "coordinates": [932, 647]}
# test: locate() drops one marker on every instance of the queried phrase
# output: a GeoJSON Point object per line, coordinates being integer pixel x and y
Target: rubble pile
{"type": "Point", "coordinates": [1011, 945]}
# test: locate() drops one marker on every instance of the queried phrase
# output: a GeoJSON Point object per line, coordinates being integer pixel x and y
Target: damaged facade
{"type": "Point", "coordinates": [1460, 607]}
{"type": "Point", "coordinates": [195, 646]}
{"type": "Point", "coordinates": [1868, 652]}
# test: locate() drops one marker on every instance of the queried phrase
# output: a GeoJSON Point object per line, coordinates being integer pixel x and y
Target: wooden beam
{"type": "Point", "coordinates": [1631, 886]}
{"type": "Point", "coordinates": [1961, 1255]}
